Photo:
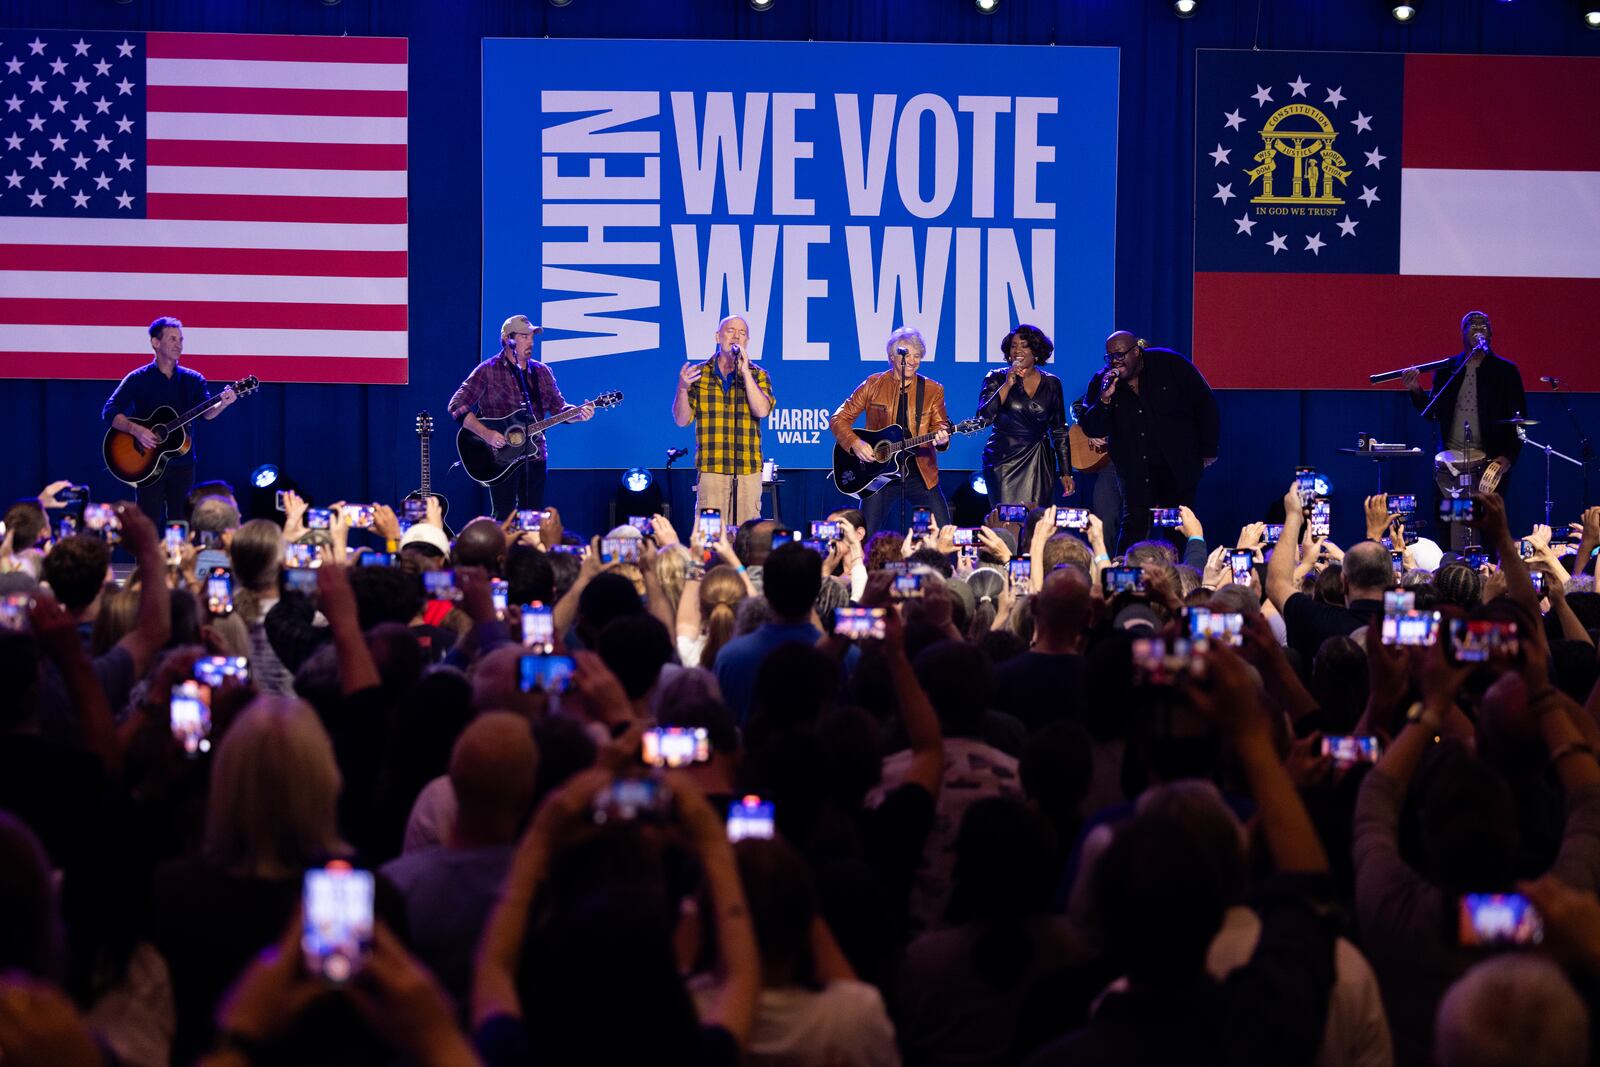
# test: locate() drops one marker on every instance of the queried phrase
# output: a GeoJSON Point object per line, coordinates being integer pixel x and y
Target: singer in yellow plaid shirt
{"type": "Point", "coordinates": [726, 397]}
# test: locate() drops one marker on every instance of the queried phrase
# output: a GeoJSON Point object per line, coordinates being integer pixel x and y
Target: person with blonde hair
{"type": "Point", "coordinates": [256, 553]}
{"type": "Point", "coordinates": [706, 619]}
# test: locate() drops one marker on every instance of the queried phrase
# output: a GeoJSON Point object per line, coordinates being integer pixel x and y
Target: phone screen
{"type": "Point", "coordinates": [824, 530]}
{"type": "Point", "coordinates": [376, 559]}
{"type": "Point", "coordinates": [301, 556]}
{"type": "Point", "coordinates": [782, 537]}
{"type": "Point", "coordinates": [1418, 628]}
{"type": "Point", "coordinates": [538, 628]}
{"type": "Point", "coordinates": [859, 623]}
{"type": "Point", "coordinates": [1347, 750]}
{"type": "Point", "coordinates": [750, 817]}
{"type": "Point", "coordinates": [1072, 519]}
{"type": "Point", "coordinates": [338, 920]}
{"type": "Point", "coordinates": [545, 673]}
{"type": "Point", "coordinates": [1480, 640]}
{"type": "Point", "coordinates": [219, 591]}
{"type": "Point", "coordinates": [1403, 503]}
{"type": "Point", "coordinates": [1021, 571]}
{"type": "Point", "coordinates": [191, 717]}
{"type": "Point", "coordinates": [643, 524]}
{"type": "Point", "coordinates": [358, 516]}
{"type": "Point", "coordinates": [629, 799]}
{"type": "Point", "coordinates": [1159, 661]}
{"type": "Point", "coordinates": [675, 746]}
{"type": "Point", "coordinates": [1321, 518]}
{"type": "Point", "coordinates": [1226, 627]}
{"type": "Point", "coordinates": [211, 670]}
{"type": "Point", "coordinates": [102, 521]}
{"type": "Point", "coordinates": [499, 589]}
{"type": "Point", "coordinates": [414, 509]}
{"type": "Point", "coordinates": [302, 580]}
{"type": "Point", "coordinates": [1114, 580]}
{"type": "Point", "coordinates": [14, 611]}
{"type": "Point", "coordinates": [965, 535]}
{"type": "Point", "coordinates": [908, 586]}
{"type": "Point", "coordinates": [1273, 533]}
{"type": "Point", "coordinates": [318, 518]}
{"type": "Point", "coordinates": [619, 550]}
{"type": "Point", "coordinates": [1499, 919]}
{"type": "Point", "coordinates": [1013, 512]}
{"type": "Point", "coordinates": [528, 519]}
{"type": "Point", "coordinates": [1397, 601]}
{"type": "Point", "coordinates": [1243, 564]}
{"type": "Point", "coordinates": [440, 585]}
{"type": "Point", "coordinates": [710, 523]}
{"type": "Point", "coordinates": [921, 521]}
{"type": "Point", "coordinates": [1457, 509]}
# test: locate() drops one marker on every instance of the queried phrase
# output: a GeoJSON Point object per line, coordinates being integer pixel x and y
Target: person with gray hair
{"type": "Point", "coordinates": [1512, 1011]}
{"type": "Point", "coordinates": [900, 397]}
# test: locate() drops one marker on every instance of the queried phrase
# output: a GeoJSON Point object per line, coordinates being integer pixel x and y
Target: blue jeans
{"type": "Point", "coordinates": [890, 507]}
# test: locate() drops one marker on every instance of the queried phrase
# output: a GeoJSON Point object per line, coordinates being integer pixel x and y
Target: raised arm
{"type": "Point", "coordinates": [1280, 568]}
{"type": "Point", "coordinates": [153, 625]}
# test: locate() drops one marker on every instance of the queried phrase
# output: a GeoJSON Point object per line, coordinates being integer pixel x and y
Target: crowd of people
{"type": "Point", "coordinates": [1004, 814]}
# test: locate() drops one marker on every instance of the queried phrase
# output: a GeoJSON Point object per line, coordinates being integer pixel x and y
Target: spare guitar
{"type": "Point", "coordinates": [487, 465]}
{"type": "Point", "coordinates": [892, 452]}
{"type": "Point", "coordinates": [131, 462]}
{"type": "Point", "coordinates": [424, 489]}
{"type": "Point", "coordinates": [1085, 458]}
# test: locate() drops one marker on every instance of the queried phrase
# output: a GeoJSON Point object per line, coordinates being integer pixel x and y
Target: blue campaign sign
{"type": "Point", "coordinates": [635, 192]}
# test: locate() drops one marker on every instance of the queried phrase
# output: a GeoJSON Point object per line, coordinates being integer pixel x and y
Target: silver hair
{"type": "Point", "coordinates": [909, 334]}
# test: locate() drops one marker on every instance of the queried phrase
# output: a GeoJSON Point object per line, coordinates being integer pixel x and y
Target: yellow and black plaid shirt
{"type": "Point", "coordinates": [727, 437]}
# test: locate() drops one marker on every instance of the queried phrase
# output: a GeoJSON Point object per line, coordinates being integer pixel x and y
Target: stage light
{"type": "Point", "coordinates": [978, 484]}
{"type": "Point", "coordinates": [761, 5]}
{"type": "Point", "coordinates": [264, 476]}
{"type": "Point", "coordinates": [1591, 16]}
{"type": "Point", "coordinates": [638, 494]}
{"type": "Point", "coordinates": [970, 503]}
{"type": "Point", "coordinates": [1403, 11]}
{"type": "Point", "coordinates": [637, 480]}
{"type": "Point", "coordinates": [1185, 9]}
{"type": "Point", "coordinates": [559, 3]}
{"type": "Point", "coordinates": [986, 7]}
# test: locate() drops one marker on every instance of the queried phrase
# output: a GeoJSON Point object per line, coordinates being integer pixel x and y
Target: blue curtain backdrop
{"type": "Point", "coordinates": [358, 442]}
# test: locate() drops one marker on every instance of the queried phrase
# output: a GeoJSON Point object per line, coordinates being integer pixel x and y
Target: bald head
{"type": "Point", "coordinates": [496, 686]}
{"type": "Point", "coordinates": [1123, 349]}
{"type": "Point", "coordinates": [1368, 572]}
{"type": "Point", "coordinates": [482, 544]}
{"type": "Point", "coordinates": [1061, 610]}
{"type": "Point", "coordinates": [491, 770]}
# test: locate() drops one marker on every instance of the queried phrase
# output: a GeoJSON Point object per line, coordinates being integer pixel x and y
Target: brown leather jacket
{"type": "Point", "coordinates": [876, 396]}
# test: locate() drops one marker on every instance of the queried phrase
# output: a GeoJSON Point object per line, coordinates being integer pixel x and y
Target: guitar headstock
{"type": "Point", "coordinates": [607, 400]}
{"type": "Point", "coordinates": [972, 425]}
{"type": "Point", "coordinates": [247, 385]}
{"type": "Point", "coordinates": [424, 424]}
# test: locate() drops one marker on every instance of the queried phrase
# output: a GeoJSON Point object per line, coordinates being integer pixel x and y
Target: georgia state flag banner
{"type": "Point", "coordinates": [1351, 207]}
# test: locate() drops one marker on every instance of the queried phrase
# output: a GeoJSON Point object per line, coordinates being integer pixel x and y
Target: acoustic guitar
{"type": "Point", "coordinates": [131, 462]}
{"type": "Point", "coordinates": [892, 451]}
{"type": "Point", "coordinates": [1085, 458]}
{"type": "Point", "coordinates": [486, 465]}
{"type": "Point", "coordinates": [424, 488]}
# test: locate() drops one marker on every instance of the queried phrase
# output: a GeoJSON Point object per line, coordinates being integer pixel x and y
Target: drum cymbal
{"type": "Point", "coordinates": [1517, 422]}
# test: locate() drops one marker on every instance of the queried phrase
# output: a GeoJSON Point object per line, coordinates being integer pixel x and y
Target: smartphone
{"type": "Point", "coordinates": [1458, 509]}
{"type": "Point", "coordinates": [1242, 562]}
{"type": "Point", "coordinates": [1480, 640]}
{"type": "Point", "coordinates": [14, 611]}
{"type": "Point", "coordinates": [538, 628]}
{"type": "Point", "coordinates": [710, 524]}
{"type": "Point", "coordinates": [1021, 571]}
{"type": "Point", "coordinates": [631, 800]}
{"type": "Point", "coordinates": [219, 591]}
{"type": "Point", "coordinates": [1114, 580]}
{"type": "Point", "coordinates": [643, 524]}
{"type": "Point", "coordinates": [1321, 518]}
{"type": "Point", "coordinates": [1160, 661]}
{"type": "Point", "coordinates": [824, 530]}
{"type": "Point", "coordinates": [305, 556]}
{"type": "Point", "coordinates": [1525, 549]}
{"type": "Point", "coordinates": [1225, 627]}
{"type": "Point", "coordinates": [1012, 512]}
{"type": "Point", "coordinates": [964, 536]}
{"type": "Point", "coordinates": [1477, 560]}
{"type": "Point", "coordinates": [1499, 919]}
{"type": "Point", "coordinates": [1397, 560]}
{"type": "Point", "coordinates": [545, 673]}
{"type": "Point", "coordinates": [821, 548]}
{"type": "Point", "coordinates": [499, 589]}
{"type": "Point", "coordinates": [908, 586]}
{"type": "Point", "coordinates": [358, 516]}
{"type": "Point", "coordinates": [528, 519]}
{"type": "Point", "coordinates": [302, 580]}
{"type": "Point", "coordinates": [1273, 533]}
{"type": "Point", "coordinates": [101, 520]}
{"type": "Point", "coordinates": [211, 670]}
{"type": "Point", "coordinates": [1072, 518]}
{"type": "Point", "coordinates": [675, 746]}
{"type": "Point", "coordinates": [377, 559]}
{"type": "Point", "coordinates": [1411, 628]}
{"type": "Point", "coordinates": [619, 550]}
{"type": "Point", "coordinates": [568, 550]}
{"type": "Point", "coordinates": [338, 920]}
{"type": "Point", "coordinates": [280, 500]}
{"type": "Point", "coordinates": [1347, 750]}
{"type": "Point", "coordinates": [176, 537]}
{"type": "Point", "coordinates": [1397, 601]}
{"type": "Point", "coordinates": [1165, 516]}
{"type": "Point", "coordinates": [750, 817]}
{"type": "Point", "coordinates": [318, 518]}
{"type": "Point", "coordinates": [65, 527]}
{"type": "Point", "coordinates": [1537, 578]}
{"type": "Point", "coordinates": [782, 537]}
{"type": "Point", "coordinates": [191, 717]}
{"type": "Point", "coordinates": [1403, 503]}
{"type": "Point", "coordinates": [1305, 479]}
{"type": "Point", "coordinates": [921, 522]}
{"type": "Point", "coordinates": [859, 623]}
{"type": "Point", "coordinates": [414, 509]}
{"type": "Point", "coordinates": [440, 585]}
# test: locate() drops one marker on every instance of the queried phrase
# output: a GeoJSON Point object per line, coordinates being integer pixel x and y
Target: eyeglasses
{"type": "Point", "coordinates": [1118, 356]}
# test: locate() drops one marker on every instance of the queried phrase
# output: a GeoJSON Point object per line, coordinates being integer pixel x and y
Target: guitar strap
{"type": "Point", "coordinates": [916, 425]}
{"type": "Point", "coordinates": [522, 383]}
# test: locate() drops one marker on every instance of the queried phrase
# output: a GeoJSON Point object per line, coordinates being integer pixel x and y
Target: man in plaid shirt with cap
{"type": "Point", "coordinates": [726, 397]}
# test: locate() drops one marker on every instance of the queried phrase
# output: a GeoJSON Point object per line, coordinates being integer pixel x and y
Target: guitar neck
{"type": "Point", "coordinates": [189, 416]}
{"type": "Point", "coordinates": [426, 463]}
{"type": "Point", "coordinates": [554, 420]}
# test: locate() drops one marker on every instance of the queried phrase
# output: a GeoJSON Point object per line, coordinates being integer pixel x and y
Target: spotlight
{"type": "Point", "coordinates": [986, 7]}
{"type": "Point", "coordinates": [970, 503]}
{"type": "Point", "coordinates": [761, 5]}
{"type": "Point", "coordinates": [1185, 9]}
{"type": "Point", "coordinates": [1404, 12]}
{"type": "Point", "coordinates": [637, 480]}
{"type": "Point", "coordinates": [638, 494]}
{"type": "Point", "coordinates": [978, 484]}
{"type": "Point", "coordinates": [559, 3]}
{"type": "Point", "coordinates": [1591, 16]}
{"type": "Point", "coordinates": [264, 476]}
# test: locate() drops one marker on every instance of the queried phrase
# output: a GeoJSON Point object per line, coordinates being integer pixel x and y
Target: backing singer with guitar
{"type": "Point", "coordinates": [163, 491]}
{"type": "Point", "coordinates": [512, 383]}
{"type": "Point", "coordinates": [899, 397]}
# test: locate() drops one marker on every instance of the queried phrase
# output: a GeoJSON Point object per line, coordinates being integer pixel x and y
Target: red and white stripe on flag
{"type": "Point", "coordinates": [274, 224]}
{"type": "Point", "coordinates": [1499, 211]}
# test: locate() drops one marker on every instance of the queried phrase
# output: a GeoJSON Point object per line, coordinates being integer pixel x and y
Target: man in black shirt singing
{"type": "Point", "coordinates": [1161, 419]}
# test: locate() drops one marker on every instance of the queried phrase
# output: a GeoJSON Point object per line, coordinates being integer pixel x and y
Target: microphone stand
{"type": "Point", "coordinates": [1427, 411]}
{"type": "Point", "coordinates": [1585, 449]}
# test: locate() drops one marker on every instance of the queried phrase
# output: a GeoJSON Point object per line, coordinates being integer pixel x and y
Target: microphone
{"type": "Point", "coordinates": [735, 350]}
{"type": "Point", "coordinates": [1548, 380]}
{"type": "Point", "coordinates": [676, 453]}
{"type": "Point", "coordinates": [1482, 344]}
{"type": "Point", "coordinates": [902, 351]}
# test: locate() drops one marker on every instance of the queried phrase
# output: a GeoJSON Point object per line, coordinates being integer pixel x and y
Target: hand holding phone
{"type": "Point", "coordinates": [338, 923]}
{"type": "Point", "coordinates": [675, 746]}
{"type": "Point", "coordinates": [859, 624]}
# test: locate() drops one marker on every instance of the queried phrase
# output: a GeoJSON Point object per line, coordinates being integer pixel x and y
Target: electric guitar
{"type": "Point", "coordinates": [486, 465]}
{"type": "Point", "coordinates": [424, 490]}
{"type": "Point", "coordinates": [892, 451]}
{"type": "Point", "coordinates": [133, 463]}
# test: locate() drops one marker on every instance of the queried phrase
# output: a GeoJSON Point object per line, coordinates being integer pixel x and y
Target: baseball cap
{"type": "Point", "coordinates": [517, 324]}
{"type": "Point", "coordinates": [422, 533]}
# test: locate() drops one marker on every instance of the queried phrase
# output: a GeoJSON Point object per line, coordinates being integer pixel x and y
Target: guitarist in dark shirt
{"type": "Point", "coordinates": [159, 383]}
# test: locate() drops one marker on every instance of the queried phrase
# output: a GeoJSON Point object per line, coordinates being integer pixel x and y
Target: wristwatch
{"type": "Point", "coordinates": [1418, 713]}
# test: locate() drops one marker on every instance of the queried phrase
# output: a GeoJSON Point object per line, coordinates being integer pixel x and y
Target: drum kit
{"type": "Point", "coordinates": [1460, 472]}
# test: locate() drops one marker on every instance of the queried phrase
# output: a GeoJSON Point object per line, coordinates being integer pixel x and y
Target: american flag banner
{"type": "Point", "coordinates": [1351, 207]}
{"type": "Point", "coordinates": [253, 186]}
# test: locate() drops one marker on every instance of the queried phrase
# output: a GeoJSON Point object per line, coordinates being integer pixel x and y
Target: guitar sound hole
{"type": "Point", "coordinates": [880, 452]}
{"type": "Point", "coordinates": [515, 438]}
